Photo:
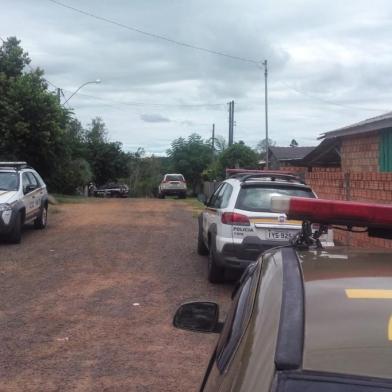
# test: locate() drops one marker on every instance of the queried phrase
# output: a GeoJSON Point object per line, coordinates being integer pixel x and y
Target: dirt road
{"type": "Point", "coordinates": [87, 304]}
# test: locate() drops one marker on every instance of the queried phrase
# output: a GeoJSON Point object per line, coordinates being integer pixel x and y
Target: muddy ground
{"type": "Point", "coordinates": [87, 304]}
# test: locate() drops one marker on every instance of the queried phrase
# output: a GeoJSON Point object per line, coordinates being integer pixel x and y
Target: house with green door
{"type": "Point", "coordinates": [362, 147]}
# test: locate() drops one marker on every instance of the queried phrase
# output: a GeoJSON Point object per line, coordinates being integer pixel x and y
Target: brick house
{"type": "Point", "coordinates": [365, 146]}
{"type": "Point", "coordinates": [354, 163]}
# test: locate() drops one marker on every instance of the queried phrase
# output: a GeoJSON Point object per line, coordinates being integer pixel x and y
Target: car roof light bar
{"type": "Point", "coordinates": [246, 174]}
{"type": "Point", "coordinates": [230, 172]}
{"type": "Point", "coordinates": [334, 212]}
{"type": "Point", "coordinates": [273, 176]}
{"type": "Point", "coordinates": [13, 165]}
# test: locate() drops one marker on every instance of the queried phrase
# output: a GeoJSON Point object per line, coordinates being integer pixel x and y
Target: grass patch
{"type": "Point", "coordinates": [67, 199]}
{"type": "Point", "coordinates": [196, 205]}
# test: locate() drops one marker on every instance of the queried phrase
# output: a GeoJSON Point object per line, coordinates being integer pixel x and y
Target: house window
{"type": "Point", "coordinates": [385, 151]}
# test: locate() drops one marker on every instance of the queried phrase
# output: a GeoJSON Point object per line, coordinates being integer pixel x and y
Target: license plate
{"type": "Point", "coordinates": [280, 235]}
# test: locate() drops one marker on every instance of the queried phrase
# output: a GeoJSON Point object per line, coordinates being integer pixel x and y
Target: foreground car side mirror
{"type": "Point", "coordinates": [198, 317]}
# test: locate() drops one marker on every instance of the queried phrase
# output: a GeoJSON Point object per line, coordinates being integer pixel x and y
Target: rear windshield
{"type": "Point", "coordinates": [174, 177]}
{"type": "Point", "coordinates": [8, 181]}
{"type": "Point", "coordinates": [259, 198]}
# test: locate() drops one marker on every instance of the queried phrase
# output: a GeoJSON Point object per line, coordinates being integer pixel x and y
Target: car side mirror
{"type": "Point", "coordinates": [198, 317]}
{"type": "Point", "coordinates": [29, 188]}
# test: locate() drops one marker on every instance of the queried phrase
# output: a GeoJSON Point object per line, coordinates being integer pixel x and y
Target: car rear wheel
{"type": "Point", "coordinates": [216, 274]}
{"type": "Point", "coordinates": [15, 235]}
{"type": "Point", "coordinates": [42, 219]}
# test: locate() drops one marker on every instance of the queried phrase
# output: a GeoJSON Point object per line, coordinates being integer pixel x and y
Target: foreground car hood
{"type": "Point", "coordinates": [6, 196]}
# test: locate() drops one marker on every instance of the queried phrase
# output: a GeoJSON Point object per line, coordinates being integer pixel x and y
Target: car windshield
{"type": "Point", "coordinates": [259, 198]}
{"type": "Point", "coordinates": [8, 181]}
{"type": "Point", "coordinates": [174, 177]}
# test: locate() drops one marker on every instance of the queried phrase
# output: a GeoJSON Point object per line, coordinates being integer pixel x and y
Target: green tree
{"type": "Point", "coordinates": [238, 155]}
{"type": "Point", "coordinates": [261, 146]}
{"type": "Point", "coordinates": [13, 58]}
{"type": "Point", "coordinates": [32, 123]}
{"type": "Point", "coordinates": [107, 159]}
{"type": "Point", "coordinates": [34, 127]}
{"type": "Point", "coordinates": [190, 157]}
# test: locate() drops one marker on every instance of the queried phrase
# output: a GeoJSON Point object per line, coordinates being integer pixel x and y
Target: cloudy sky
{"type": "Point", "coordinates": [329, 64]}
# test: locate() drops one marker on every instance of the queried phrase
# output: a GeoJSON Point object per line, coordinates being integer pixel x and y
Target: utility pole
{"type": "Point", "coordinates": [213, 140]}
{"type": "Point", "coordinates": [231, 122]}
{"type": "Point", "coordinates": [266, 113]}
{"type": "Point", "coordinates": [59, 95]}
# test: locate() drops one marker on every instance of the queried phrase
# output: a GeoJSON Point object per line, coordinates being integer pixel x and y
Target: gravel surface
{"type": "Point", "coordinates": [87, 304]}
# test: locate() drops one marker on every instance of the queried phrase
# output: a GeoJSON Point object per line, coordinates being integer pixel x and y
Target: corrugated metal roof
{"type": "Point", "coordinates": [371, 124]}
{"type": "Point", "coordinates": [290, 153]}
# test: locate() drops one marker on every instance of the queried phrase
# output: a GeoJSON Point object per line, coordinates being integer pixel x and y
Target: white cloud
{"type": "Point", "coordinates": [329, 65]}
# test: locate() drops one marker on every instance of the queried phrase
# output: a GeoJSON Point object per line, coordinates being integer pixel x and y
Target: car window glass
{"type": "Point", "coordinates": [259, 198]}
{"type": "Point", "coordinates": [213, 197]}
{"type": "Point", "coordinates": [8, 181]}
{"type": "Point", "coordinates": [25, 181]}
{"type": "Point", "coordinates": [39, 178]}
{"type": "Point", "coordinates": [217, 203]}
{"type": "Point", "coordinates": [237, 319]}
{"type": "Point", "coordinates": [173, 177]}
{"type": "Point", "coordinates": [32, 179]}
{"type": "Point", "coordinates": [226, 196]}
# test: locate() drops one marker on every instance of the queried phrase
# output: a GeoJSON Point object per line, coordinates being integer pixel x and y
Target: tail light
{"type": "Point", "coordinates": [233, 218]}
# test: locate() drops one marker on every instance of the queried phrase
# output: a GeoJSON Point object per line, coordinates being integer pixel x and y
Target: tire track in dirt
{"type": "Point", "coordinates": [67, 314]}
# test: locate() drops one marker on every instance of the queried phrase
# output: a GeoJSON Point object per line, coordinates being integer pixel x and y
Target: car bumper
{"type": "Point", "coordinates": [173, 192]}
{"type": "Point", "coordinates": [239, 256]}
{"type": "Point", "coordinates": [7, 228]}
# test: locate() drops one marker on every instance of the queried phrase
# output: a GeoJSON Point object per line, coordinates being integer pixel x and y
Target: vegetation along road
{"type": "Point", "coordinates": [87, 305]}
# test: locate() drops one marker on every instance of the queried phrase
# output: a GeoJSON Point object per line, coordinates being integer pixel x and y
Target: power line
{"type": "Point", "coordinates": [157, 36]}
{"type": "Point", "coordinates": [127, 103]}
{"type": "Point", "coordinates": [130, 103]}
{"type": "Point", "coordinates": [328, 101]}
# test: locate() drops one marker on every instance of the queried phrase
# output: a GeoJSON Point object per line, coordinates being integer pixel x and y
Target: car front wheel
{"type": "Point", "coordinates": [15, 235]}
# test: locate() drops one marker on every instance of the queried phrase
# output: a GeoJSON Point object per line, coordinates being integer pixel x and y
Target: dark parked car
{"type": "Point", "coordinates": [112, 190]}
{"type": "Point", "coordinates": [305, 318]}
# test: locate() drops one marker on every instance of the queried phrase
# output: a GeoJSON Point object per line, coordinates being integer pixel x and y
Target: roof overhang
{"type": "Point", "coordinates": [370, 125]}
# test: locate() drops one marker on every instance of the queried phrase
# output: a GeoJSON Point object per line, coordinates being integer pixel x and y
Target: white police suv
{"type": "Point", "coordinates": [238, 224]}
{"type": "Point", "coordinates": [23, 199]}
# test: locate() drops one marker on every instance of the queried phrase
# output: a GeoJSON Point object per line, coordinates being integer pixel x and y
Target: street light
{"type": "Point", "coordinates": [97, 81]}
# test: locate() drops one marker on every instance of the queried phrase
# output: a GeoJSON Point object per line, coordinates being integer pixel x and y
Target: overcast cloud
{"type": "Point", "coordinates": [329, 64]}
